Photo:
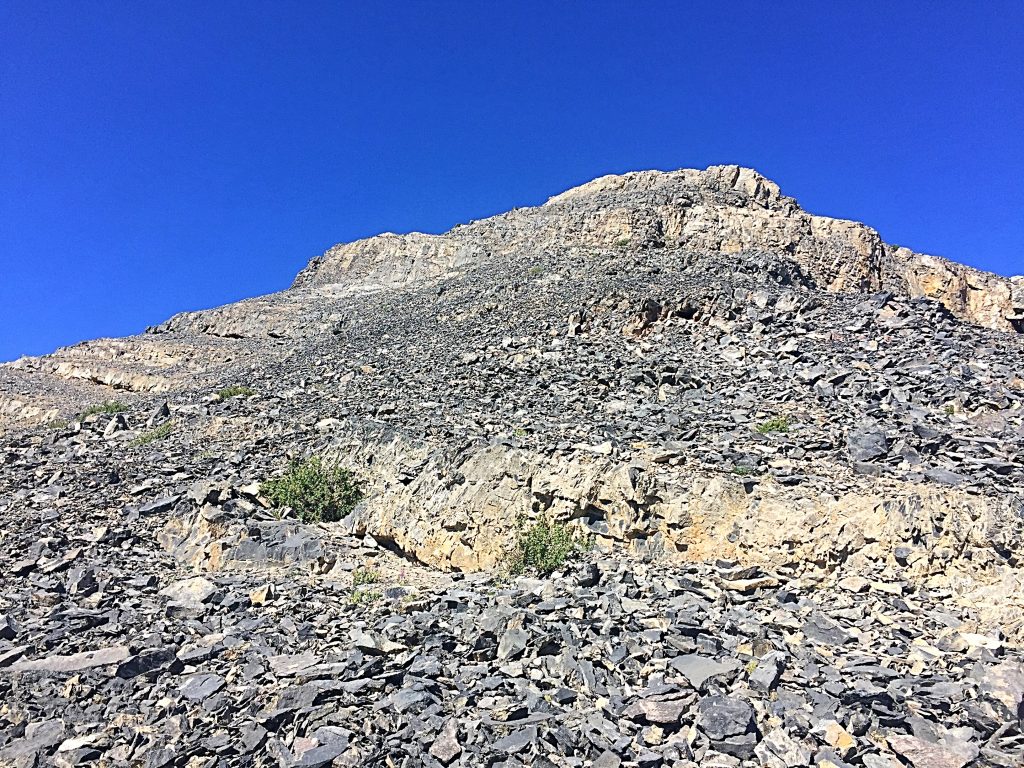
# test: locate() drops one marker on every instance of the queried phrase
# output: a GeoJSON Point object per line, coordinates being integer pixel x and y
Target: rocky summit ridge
{"type": "Point", "coordinates": [798, 452]}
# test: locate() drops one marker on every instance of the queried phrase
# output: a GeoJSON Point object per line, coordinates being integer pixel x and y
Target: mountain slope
{"type": "Point", "coordinates": [724, 210]}
{"type": "Point", "coordinates": [798, 453]}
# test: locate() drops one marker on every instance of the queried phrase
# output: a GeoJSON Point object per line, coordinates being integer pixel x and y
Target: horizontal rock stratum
{"type": "Point", "coordinates": [796, 451]}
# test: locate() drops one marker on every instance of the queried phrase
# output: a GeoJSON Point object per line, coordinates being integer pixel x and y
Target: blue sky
{"type": "Point", "coordinates": [158, 157]}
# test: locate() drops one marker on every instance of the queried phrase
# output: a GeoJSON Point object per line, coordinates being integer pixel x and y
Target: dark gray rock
{"type": "Point", "coordinates": [149, 661]}
{"type": "Point", "coordinates": [866, 442]}
{"type": "Point", "coordinates": [722, 717]}
{"type": "Point", "coordinates": [200, 686]}
{"type": "Point", "coordinates": [697, 669]}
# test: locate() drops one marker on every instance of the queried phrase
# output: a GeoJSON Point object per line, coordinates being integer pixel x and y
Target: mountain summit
{"type": "Point", "coordinates": [722, 210]}
{"type": "Point", "coordinates": [786, 458]}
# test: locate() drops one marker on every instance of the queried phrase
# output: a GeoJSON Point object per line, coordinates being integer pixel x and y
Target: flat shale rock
{"type": "Point", "coordinates": [75, 662]}
{"type": "Point", "coordinates": [922, 754]}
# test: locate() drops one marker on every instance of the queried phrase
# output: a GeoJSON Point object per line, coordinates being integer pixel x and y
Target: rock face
{"type": "Point", "coordinates": [798, 453]}
{"type": "Point", "coordinates": [724, 209]}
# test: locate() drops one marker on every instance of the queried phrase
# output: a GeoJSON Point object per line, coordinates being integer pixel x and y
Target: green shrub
{"type": "Point", "coordinates": [364, 576]}
{"type": "Point", "coordinates": [155, 434]}
{"type": "Point", "coordinates": [777, 424]}
{"type": "Point", "coordinates": [743, 471]}
{"type": "Point", "coordinates": [316, 490]}
{"type": "Point", "coordinates": [543, 547]}
{"type": "Point", "coordinates": [111, 406]}
{"type": "Point", "coordinates": [622, 242]}
{"type": "Point", "coordinates": [363, 596]}
{"type": "Point", "coordinates": [238, 390]}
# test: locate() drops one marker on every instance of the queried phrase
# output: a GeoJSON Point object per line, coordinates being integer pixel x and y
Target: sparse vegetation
{"type": "Point", "coordinates": [111, 406]}
{"type": "Point", "coordinates": [316, 490]}
{"type": "Point", "coordinates": [58, 424]}
{"type": "Point", "coordinates": [519, 432]}
{"type": "Point", "coordinates": [363, 576]}
{"type": "Point", "coordinates": [536, 270]}
{"type": "Point", "coordinates": [776, 424]}
{"type": "Point", "coordinates": [950, 410]}
{"type": "Point", "coordinates": [363, 596]}
{"type": "Point", "coordinates": [410, 602]}
{"type": "Point", "coordinates": [543, 546]}
{"type": "Point", "coordinates": [159, 433]}
{"type": "Point", "coordinates": [238, 390]}
{"type": "Point", "coordinates": [743, 471]}
{"type": "Point", "coordinates": [622, 242]}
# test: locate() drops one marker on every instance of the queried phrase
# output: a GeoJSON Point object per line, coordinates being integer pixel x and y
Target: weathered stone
{"type": "Point", "coordinates": [723, 716]}
{"type": "Point", "coordinates": [76, 662]}
{"type": "Point", "coordinates": [697, 669]}
{"type": "Point", "coordinates": [922, 754]}
{"type": "Point", "coordinates": [517, 741]}
{"type": "Point", "coordinates": [866, 443]}
{"type": "Point", "coordinates": [445, 746]}
{"type": "Point", "coordinates": [194, 590]}
{"type": "Point", "coordinates": [1004, 683]}
{"type": "Point", "coordinates": [199, 686]}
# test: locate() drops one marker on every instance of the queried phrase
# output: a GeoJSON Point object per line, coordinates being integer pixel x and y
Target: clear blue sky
{"type": "Point", "coordinates": [158, 157]}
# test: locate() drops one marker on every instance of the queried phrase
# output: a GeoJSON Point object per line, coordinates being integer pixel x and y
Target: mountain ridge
{"type": "Point", "coordinates": [1000, 304]}
{"type": "Point", "coordinates": [726, 209]}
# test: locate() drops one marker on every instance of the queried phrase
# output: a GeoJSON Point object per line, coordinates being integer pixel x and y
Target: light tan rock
{"type": "Point", "coordinates": [923, 754]}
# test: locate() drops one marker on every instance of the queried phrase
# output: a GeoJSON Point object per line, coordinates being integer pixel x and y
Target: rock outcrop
{"type": "Point", "coordinates": [724, 209]}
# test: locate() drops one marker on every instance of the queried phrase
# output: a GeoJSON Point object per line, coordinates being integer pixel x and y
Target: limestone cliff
{"type": "Point", "coordinates": [724, 209]}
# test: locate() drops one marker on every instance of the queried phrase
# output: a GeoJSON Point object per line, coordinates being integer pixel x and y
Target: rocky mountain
{"type": "Point", "coordinates": [797, 452]}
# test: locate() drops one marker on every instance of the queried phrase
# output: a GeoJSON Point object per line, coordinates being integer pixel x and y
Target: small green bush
{"type": "Point", "coordinates": [543, 547]}
{"type": "Point", "coordinates": [238, 390]}
{"type": "Point", "coordinates": [777, 424]}
{"type": "Point", "coordinates": [155, 434]}
{"type": "Point", "coordinates": [622, 242]}
{"type": "Point", "coordinates": [316, 490]}
{"type": "Point", "coordinates": [363, 596]}
{"type": "Point", "coordinates": [111, 406]}
{"type": "Point", "coordinates": [364, 576]}
{"type": "Point", "coordinates": [743, 471]}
